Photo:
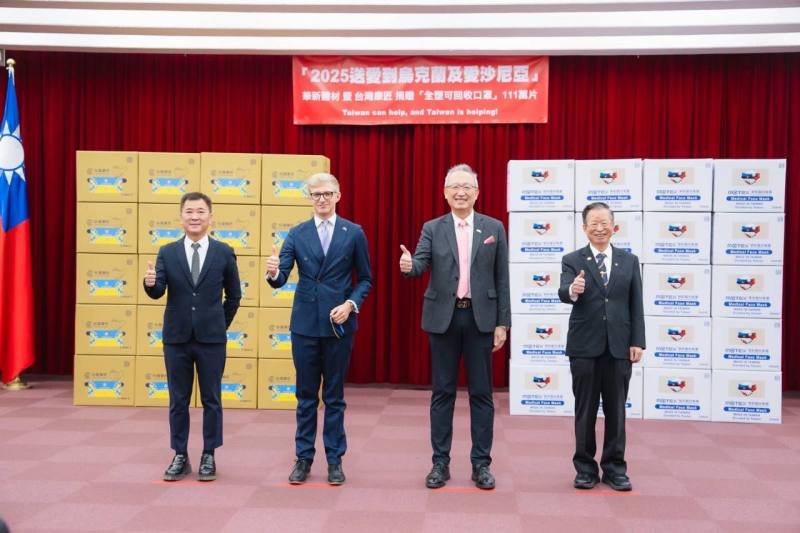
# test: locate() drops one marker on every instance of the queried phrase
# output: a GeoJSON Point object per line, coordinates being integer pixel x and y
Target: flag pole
{"type": "Point", "coordinates": [18, 383]}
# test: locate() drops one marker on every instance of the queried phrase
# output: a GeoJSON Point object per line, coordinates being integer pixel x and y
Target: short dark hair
{"type": "Point", "coordinates": [195, 195]}
{"type": "Point", "coordinates": [596, 205]}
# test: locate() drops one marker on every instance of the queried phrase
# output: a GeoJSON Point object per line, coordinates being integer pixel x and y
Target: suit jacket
{"type": "Point", "coordinates": [615, 312]}
{"type": "Point", "coordinates": [325, 280]}
{"type": "Point", "coordinates": [197, 309]}
{"type": "Point", "coordinates": [437, 249]}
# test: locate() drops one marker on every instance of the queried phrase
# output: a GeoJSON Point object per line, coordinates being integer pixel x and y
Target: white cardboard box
{"type": "Point", "coordinates": [627, 232]}
{"type": "Point", "coordinates": [541, 185]}
{"type": "Point", "coordinates": [617, 182]}
{"type": "Point", "coordinates": [539, 339]}
{"type": "Point", "coordinates": [677, 290]}
{"type": "Point", "coordinates": [678, 184]}
{"type": "Point", "coordinates": [749, 185]}
{"type": "Point", "coordinates": [633, 404]}
{"type": "Point", "coordinates": [534, 288]}
{"type": "Point", "coordinates": [677, 394]}
{"type": "Point", "coordinates": [540, 237]}
{"type": "Point", "coordinates": [544, 390]}
{"type": "Point", "coordinates": [677, 238]}
{"type": "Point", "coordinates": [747, 291]}
{"type": "Point", "coordinates": [748, 239]}
{"type": "Point", "coordinates": [746, 396]}
{"type": "Point", "coordinates": [677, 342]}
{"type": "Point", "coordinates": [746, 344]}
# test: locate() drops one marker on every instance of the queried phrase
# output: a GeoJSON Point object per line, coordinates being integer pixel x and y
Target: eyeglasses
{"type": "Point", "coordinates": [461, 187]}
{"type": "Point", "coordinates": [599, 225]}
{"type": "Point", "coordinates": [338, 329]}
{"type": "Point", "coordinates": [317, 196]}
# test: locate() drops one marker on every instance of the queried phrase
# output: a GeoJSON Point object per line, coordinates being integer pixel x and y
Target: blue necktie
{"type": "Point", "coordinates": [601, 266]}
{"type": "Point", "coordinates": [325, 236]}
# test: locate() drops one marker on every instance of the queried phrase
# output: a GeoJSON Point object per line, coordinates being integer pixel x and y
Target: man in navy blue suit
{"type": "Point", "coordinates": [196, 269]}
{"type": "Point", "coordinates": [327, 250]}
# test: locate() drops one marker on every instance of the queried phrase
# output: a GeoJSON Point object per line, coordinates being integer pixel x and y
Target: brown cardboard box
{"type": "Point", "coordinates": [282, 297]}
{"type": "Point", "coordinates": [284, 176]}
{"type": "Point", "coordinates": [104, 380]}
{"type": "Point", "coordinates": [240, 383]}
{"type": "Point", "coordinates": [105, 329]}
{"type": "Point", "coordinates": [237, 225]}
{"type": "Point", "coordinates": [251, 276]}
{"type": "Point", "coordinates": [159, 224]}
{"type": "Point", "coordinates": [106, 279]}
{"type": "Point", "coordinates": [231, 178]}
{"type": "Point", "coordinates": [106, 228]}
{"type": "Point", "coordinates": [276, 384]}
{"type": "Point", "coordinates": [106, 176]}
{"type": "Point", "coordinates": [276, 221]}
{"type": "Point", "coordinates": [165, 177]}
{"type": "Point", "coordinates": [243, 333]}
{"type": "Point", "coordinates": [149, 323]}
{"type": "Point", "coordinates": [151, 383]}
{"type": "Point", "coordinates": [274, 337]}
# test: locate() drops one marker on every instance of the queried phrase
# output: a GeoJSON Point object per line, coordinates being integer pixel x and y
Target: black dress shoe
{"type": "Point", "coordinates": [585, 481]}
{"type": "Point", "coordinates": [178, 469]}
{"type": "Point", "coordinates": [438, 476]}
{"type": "Point", "coordinates": [300, 471]}
{"type": "Point", "coordinates": [208, 468]}
{"type": "Point", "coordinates": [482, 477]}
{"type": "Point", "coordinates": [335, 474]}
{"type": "Point", "coordinates": [618, 482]}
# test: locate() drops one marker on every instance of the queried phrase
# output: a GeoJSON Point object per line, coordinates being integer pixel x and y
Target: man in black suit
{"type": "Point", "coordinates": [606, 336]}
{"type": "Point", "coordinates": [196, 269]}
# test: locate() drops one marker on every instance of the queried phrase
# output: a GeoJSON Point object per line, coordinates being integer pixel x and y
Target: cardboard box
{"type": "Point", "coordinates": [275, 339]}
{"type": "Point", "coordinates": [677, 290]}
{"type": "Point", "coordinates": [239, 226]}
{"type": "Point", "coordinates": [678, 184]}
{"type": "Point", "coordinates": [149, 326]}
{"type": "Point", "coordinates": [106, 228]}
{"type": "Point", "coordinates": [751, 239]}
{"type": "Point", "coordinates": [165, 177]}
{"type": "Point", "coordinates": [243, 333]}
{"type": "Point", "coordinates": [159, 224]}
{"type": "Point", "coordinates": [539, 339]}
{"type": "Point", "coordinates": [106, 176]}
{"type": "Point", "coordinates": [106, 279]}
{"type": "Point", "coordinates": [746, 344]}
{"type": "Point", "coordinates": [617, 182]}
{"type": "Point", "coordinates": [251, 277]}
{"type": "Point", "coordinates": [282, 297]}
{"type": "Point", "coordinates": [677, 238]}
{"type": "Point", "coordinates": [277, 221]}
{"type": "Point", "coordinates": [231, 178]}
{"type": "Point", "coordinates": [677, 394]}
{"type": "Point", "coordinates": [104, 380]}
{"type": "Point", "coordinates": [239, 383]}
{"type": "Point", "coordinates": [151, 383]}
{"type": "Point", "coordinates": [746, 396]}
{"type": "Point", "coordinates": [749, 185]}
{"type": "Point", "coordinates": [634, 401]}
{"type": "Point", "coordinates": [677, 342]}
{"type": "Point", "coordinates": [276, 384]}
{"type": "Point", "coordinates": [543, 390]}
{"type": "Point", "coordinates": [627, 232]}
{"type": "Point", "coordinates": [534, 289]}
{"type": "Point", "coordinates": [541, 185]}
{"type": "Point", "coordinates": [105, 329]}
{"type": "Point", "coordinates": [540, 237]}
{"type": "Point", "coordinates": [747, 291]}
{"type": "Point", "coordinates": [284, 177]}
{"type": "Point", "coordinates": [143, 298]}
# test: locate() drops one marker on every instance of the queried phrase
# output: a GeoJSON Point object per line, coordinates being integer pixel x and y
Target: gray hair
{"type": "Point", "coordinates": [461, 167]}
{"type": "Point", "coordinates": [321, 177]}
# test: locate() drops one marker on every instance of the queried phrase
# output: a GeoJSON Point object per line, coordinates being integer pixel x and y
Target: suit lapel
{"type": "Point", "coordinates": [337, 238]}
{"type": "Point", "coordinates": [477, 236]}
{"type": "Point", "coordinates": [311, 237]}
{"type": "Point", "coordinates": [449, 229]}
{"type": "Point", "coordinates": [211, 255]}
{"type": "Point", "coordinates": [180, 256]}
{"type": "Point", "coordinates": [617, 261]}
{"type": "Point", "coordinates": [591, 265]}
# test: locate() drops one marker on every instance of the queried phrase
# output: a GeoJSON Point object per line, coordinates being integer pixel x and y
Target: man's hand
{"type": "Point", "coordinates": [273, 263]}
{"type": "Point", "coordinates": [405, 260]}
{"type": "Point", "coordinates": [636, 354]}
{"type": "Point", "coordinates": [150, 275]}
{"type": "Point", "coordinates": [579, 284]}
{"type": "Point", "coordinates": [499, 338]}
{"type": "Point", "coordinates": [341, 313]}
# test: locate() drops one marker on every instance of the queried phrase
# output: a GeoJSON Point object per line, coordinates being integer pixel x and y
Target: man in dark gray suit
{"type": "Point", "coordinates": [606, 336]}
{"type": "Point", "coordinates": [466, 310]}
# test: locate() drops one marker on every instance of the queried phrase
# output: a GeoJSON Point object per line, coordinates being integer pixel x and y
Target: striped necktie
{"type": "Point", "coordinates": [601, 266]}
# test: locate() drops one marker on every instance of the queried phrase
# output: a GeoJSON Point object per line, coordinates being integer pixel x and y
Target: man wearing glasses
{"type": "Point", "coordinates": [467, 311]}
{"type": "Point", "coordinates": [327, 250]}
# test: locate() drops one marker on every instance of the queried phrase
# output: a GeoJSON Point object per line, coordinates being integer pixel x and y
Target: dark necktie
{"type": "Point", "coordinates": [195, 262]}
{"type": "Point", "coordinates": [601, 266]}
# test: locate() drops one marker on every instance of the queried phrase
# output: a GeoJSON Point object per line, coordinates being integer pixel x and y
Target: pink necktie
{"type": "Point", "coordinates": [463, 260]}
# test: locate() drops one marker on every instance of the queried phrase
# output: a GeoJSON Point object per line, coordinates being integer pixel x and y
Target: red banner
{"type": "Point", "coordinates": [360, 90]}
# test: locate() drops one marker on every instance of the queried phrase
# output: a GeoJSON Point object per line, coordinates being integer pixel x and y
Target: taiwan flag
{"type": "Point", "coordinates": [16, 284]}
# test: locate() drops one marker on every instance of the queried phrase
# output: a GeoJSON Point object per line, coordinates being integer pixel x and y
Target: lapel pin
{"type": "Point", "coordinates": [479, 231]}
{"type": "Point", "coordinates": [344, 228]}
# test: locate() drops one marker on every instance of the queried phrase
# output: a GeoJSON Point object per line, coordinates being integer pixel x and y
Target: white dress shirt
{"type": "Point", "coordinates": [202, 251]}
{"type": "Point", "coordinates": [607, 261]}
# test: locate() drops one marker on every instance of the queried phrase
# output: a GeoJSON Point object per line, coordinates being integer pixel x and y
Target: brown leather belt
{"type": "Point", "coordinates": [463, 303]}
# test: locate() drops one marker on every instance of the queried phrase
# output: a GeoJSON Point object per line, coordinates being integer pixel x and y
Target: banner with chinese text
{"type": "Point", "coordinates": [360, 90]}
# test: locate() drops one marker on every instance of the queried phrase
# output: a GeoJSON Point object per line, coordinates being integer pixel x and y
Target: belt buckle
{"type": "Point", "coordinates": [463, 303]}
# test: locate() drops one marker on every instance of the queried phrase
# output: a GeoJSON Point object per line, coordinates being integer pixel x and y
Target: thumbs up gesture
{"type": "Point", "coordinates": [579, 285]}
{"type": "Point", "coordinates": [273, 263]}
{"type": "Point", "coordinates": [150, 275]}
{"type": "Point", "coordinates": [405, 260]}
